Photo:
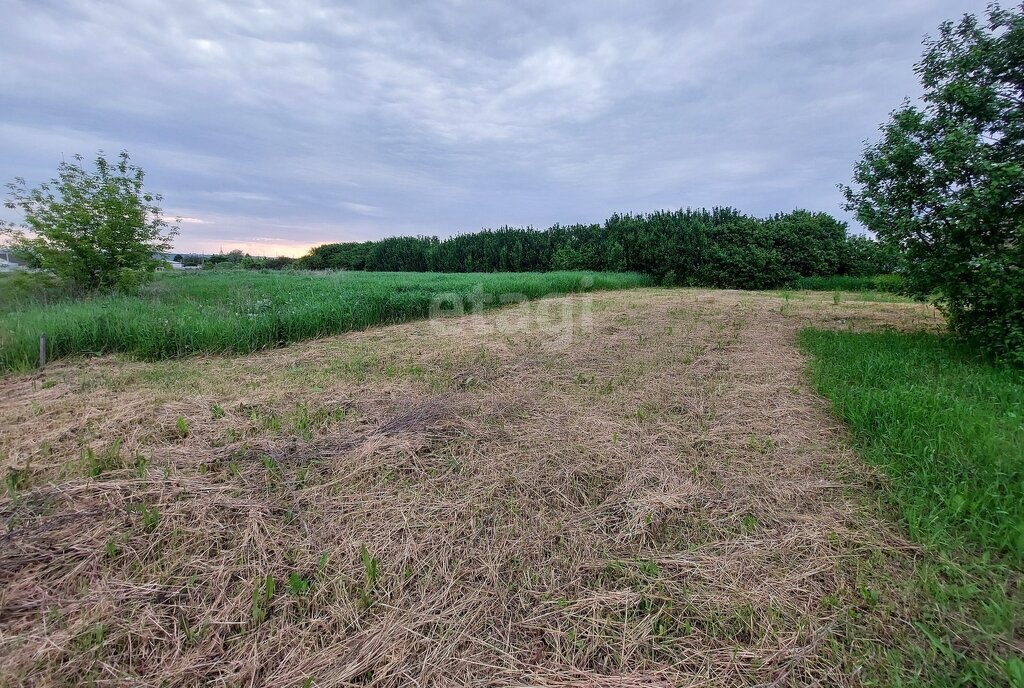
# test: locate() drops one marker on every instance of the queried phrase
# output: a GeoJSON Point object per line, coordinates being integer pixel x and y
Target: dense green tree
{"type": "Point", "coordinates": [615, 258]}
{"type": "Point", "coordinates": [349, 256]}
{"type": "Point", "coordinates": [808, 243]}
{"type": "Point", "coordinates": [862, 256]}
{"type": "Point", "coordinates": [97, 229]}
{"type": "Point", "coordinates": [945, 183]}
{"type": "Point", "coordinates": [742, 255]}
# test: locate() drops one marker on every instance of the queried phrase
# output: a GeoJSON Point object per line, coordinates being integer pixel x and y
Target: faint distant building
{"type": "Point", "coordinates": [180, 261]}
{"type": "Point", "coordinates": [7, 260]}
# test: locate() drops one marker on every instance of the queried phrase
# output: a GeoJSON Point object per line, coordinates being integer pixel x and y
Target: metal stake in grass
{"type": "Point", "coordinates": [42, 349]}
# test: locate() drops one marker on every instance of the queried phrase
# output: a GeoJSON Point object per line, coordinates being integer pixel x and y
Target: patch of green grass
{"type": "Point", "coordinates": [91, 638]}
{"type": "Point", "coordinates": [150, 516]}
{"type": "Point", "coordinates": [844, 288]}
{"type": "Point", "coordinates": [16, 480]}
{"type": "Point", "coordinates": [23, 289]}
{"type": "Point", "coordinates": [947, 427]}
{"type": "Point", "coordinates": [371, 568]}
{"type": "Point", "coordinates": [106, 460]}
{"type": "Point", "coordinates": [882, 283]}
{"type": "Point", "coordinates": [297, 584]}
{"type": "Point", "coordinates": [262, 596]}
{"type": "Point", "coordinates": [241, 312]}
{"type": "Point", "coordinates": [948, 430]}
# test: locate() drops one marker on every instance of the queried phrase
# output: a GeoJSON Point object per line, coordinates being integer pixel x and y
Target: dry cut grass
{"type": "Point", "coordinates": [658, 499]}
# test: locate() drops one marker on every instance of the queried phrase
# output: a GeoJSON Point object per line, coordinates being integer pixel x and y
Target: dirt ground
{"type": "Point", "coordinates": [631, 488]}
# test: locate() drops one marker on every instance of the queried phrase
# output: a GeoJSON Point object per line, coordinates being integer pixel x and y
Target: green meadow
{"type": "Point", "coordinates": [235, 311]}
{"type": "Point", "coordinates": [947, 428]}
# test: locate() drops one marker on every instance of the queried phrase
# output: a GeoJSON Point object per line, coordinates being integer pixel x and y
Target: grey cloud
{"type": "Point", "coordinates": [303, 122]}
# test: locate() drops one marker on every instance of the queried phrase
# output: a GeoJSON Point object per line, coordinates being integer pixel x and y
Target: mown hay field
{"type": "Point", "coordinates": [628, 488]}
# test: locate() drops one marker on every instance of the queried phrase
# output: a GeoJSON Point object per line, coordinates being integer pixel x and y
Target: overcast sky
{"type": "Point", "coordinates": [274, 126]}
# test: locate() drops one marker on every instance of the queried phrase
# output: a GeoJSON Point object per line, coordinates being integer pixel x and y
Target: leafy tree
{"type": "Point", "coordinates": [945, 183]}
{"type": "Point", "coordinates": [864, 257]}
{"type": "Point", "coordinates": [743, 256]}
{"type": "Point", "coordinates": [810, 244]}
{"type": "Point", "coordinates": [615, 260]}
{"type": "Point", "coordinates": [232, 259]}
{"type": "Point", "coordinates": [96, 229]}
{"type": "Point", "coordinates": [567, 258]}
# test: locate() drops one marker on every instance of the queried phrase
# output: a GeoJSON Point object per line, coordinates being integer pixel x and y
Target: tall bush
{"type": "Point", "coordinates": [97, 229]}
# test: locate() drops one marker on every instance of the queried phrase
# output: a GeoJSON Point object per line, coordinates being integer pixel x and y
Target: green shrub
{"type": "Point", "coordinates": [96, 229]}
{"type": "Point", "coordinates": [862, 256]}
{"type": "Point", "coordinates": [22, 288]}
{"type": "Point", "coordinates": [986, 306]}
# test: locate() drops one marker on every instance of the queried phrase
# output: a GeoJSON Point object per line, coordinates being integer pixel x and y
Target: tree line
{"type": "Point", "coordinates": [721, 247]}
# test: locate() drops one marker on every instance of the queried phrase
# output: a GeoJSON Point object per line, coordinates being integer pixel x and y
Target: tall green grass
{"type": "Point", "coordinates": [24, 289]}
{"type": "Point", "coordinates": [948, 429]}
{"type": "Point", "coordinates": [891, 284]}
{"type": "Point", "coordinates": [242, 311]}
